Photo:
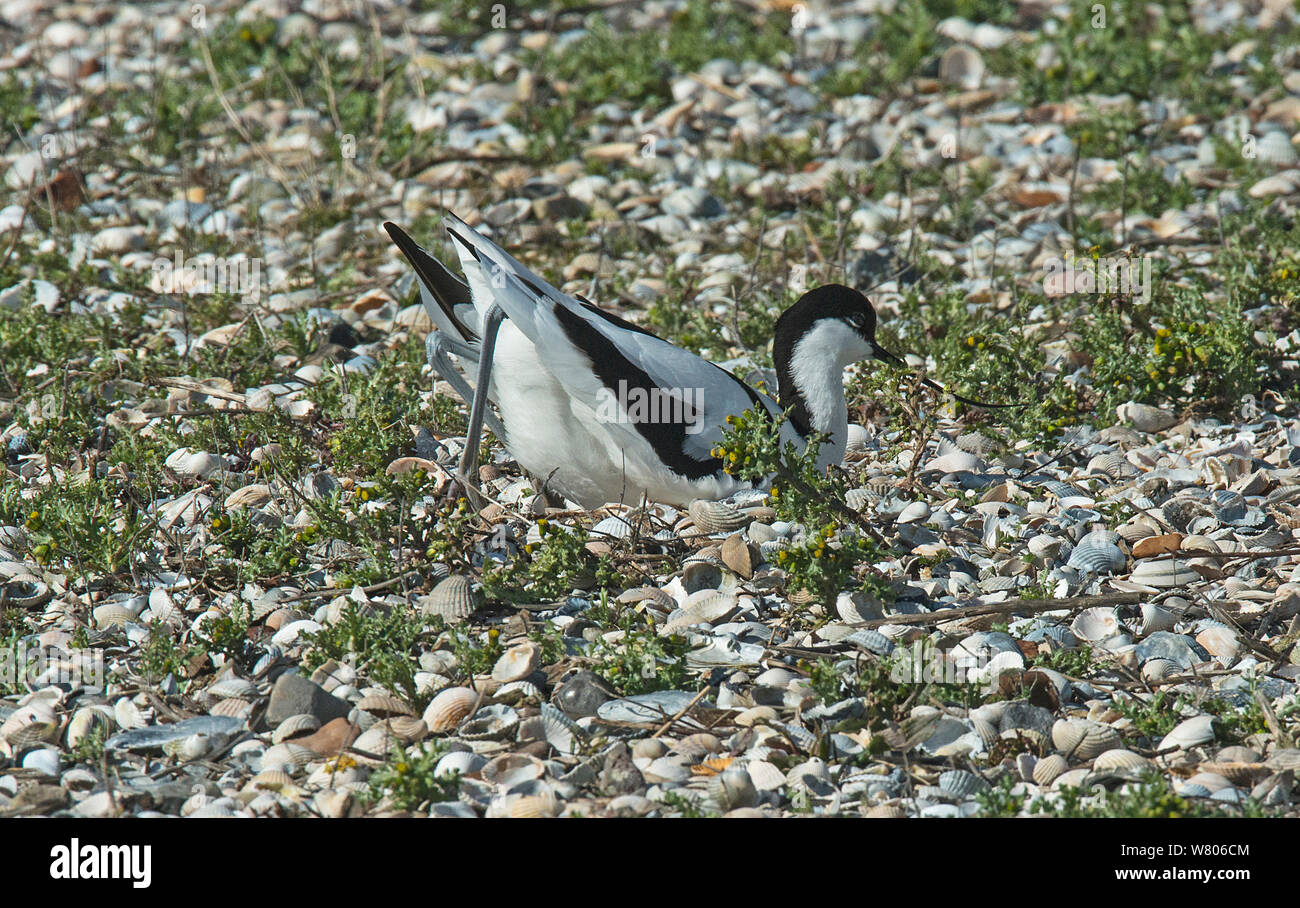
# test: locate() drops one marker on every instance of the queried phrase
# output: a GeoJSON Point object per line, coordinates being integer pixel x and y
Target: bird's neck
{"type": "Point", "coordinates": [810, 373]}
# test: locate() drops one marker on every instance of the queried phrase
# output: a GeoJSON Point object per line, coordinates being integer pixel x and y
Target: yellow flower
{"type": "Point", "coordinates": [970, 341]}
{"type": "Point", "coordinates": [1162, 332]}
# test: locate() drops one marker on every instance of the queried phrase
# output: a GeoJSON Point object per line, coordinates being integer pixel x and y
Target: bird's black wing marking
{"type": "Point", "coordinates": [618, 374]}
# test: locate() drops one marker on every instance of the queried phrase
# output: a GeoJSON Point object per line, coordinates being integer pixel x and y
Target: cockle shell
{"type": "Point", "coordinates": [1095, 624]}
{"type": "Point", "coordinates": [961, 783]}
{"type": "Point", "coordinates": [732, 788]}
{"type": "Point", "coordinates": [517, 662]}
{"type": "Point", "coordinates": [1047, 769]}
{"type": "Point", "coordinates": [248, 496]}
{"type": "Point", "coordinates": [85, 722]}
{"type": "Point", "coordinates": [294, 726]}
{"type": "Point", "coordinates": [449, 708]}
{"type": "Point", "coordinates": [1159, 669]}
{"type": "Point", "coordinates": [1097, 556]}
{"type": "Point", "coordinates": [191, 464]}
{"type": "Point", "coordinates": [228, 688]}
{"type": "Point", "coordinates": [704, 607]}
{"type": "Point", "coordinates": [509, 770]}
{"type": "Point", "coordinates": [1156, 618]}
{"type": "Point", "coordinates": [489, 723]}
{"type": "Point", "coordinates": [1121, 761]}
{"type": "Point", "coordinates": [1189, 733]}
{"type": "Point", "coordinates": [1114, 466]}
{"type": "Point", "coordinates": [452, 599]}
{"type": "Point", "coordinates": [741, 556]}
{"type": "Point", "coordinates": [717, 516]}
{"type": "Point", "coordinates": [1084, 738]}
{"type": "Point", "coordinates": [385, 705]}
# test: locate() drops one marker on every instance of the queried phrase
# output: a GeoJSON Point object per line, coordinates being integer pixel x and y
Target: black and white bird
{"type": "Point", "coordinates": [601, 409]}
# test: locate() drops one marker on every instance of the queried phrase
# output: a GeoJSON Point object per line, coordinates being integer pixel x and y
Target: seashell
{"type": "Point", "coordinates": [1159, 669]}
{"type": "Point", "coordinates": [704, 574]}
{"type": "Point", "coordinates": [271, 780]}
{"type": "Point", "coordinates": [189, 748]}
{"type": "Point", "coordinates": [531, 807]}
{"type": "Point", "coordinates": [886, 812]}
{"type": "Point", "coordinates": [112, 615]}
{"type": "Point", "coordinates": [1135, 531]}
{"type": "Point", "coordinates": [452, 599]}
{"type": "Point", "coordinates": [559, 730]}
{"type": "Point", "coordinates": [717, 517]}
{"type": "Point", "coordinates": [514, 692]}
{"type": "Point", "coordinates": [385, 705]}
{"type": "Point", "coordinates": [1113, 465]}
{"type": "Point", "coordinates": [232, 707]}
{"type": "Point", "coordinates": [872, 641]}
{"type": "Point", "coordinates": [1047, 769]}
{"type": "Point", "coordinates": [1084, 738]}
{"type": "Point", "coordinates": [1189, 733]}
{"type": "Point", "coordinates": [1275, 147]}
{"type": "Point", "coordinates": [961, 783]}
{"type": "Point", "coordinates": [509, 770]}
{"type": "Point", "coordinates": [612, 528]}
{"type": "Point", "coordinates": [489, 723]}
{"type": "Point", "coordinates": [228, 688]}
{"type": "Point", "coordinates": [191, 464]}
{"type": "Point", "coordinates": [740, 556]}
{"type": "Point", "coordinates": [460, 762]}
{"type": "Point", "coordinates": [1163, 574]}
{"type": "Point", "coordinates": [249, 496]}
{"type": "Point", "coordinates": [295, 726]}
{"type": "Point", "coordinates": [1221, 641]}
{"type": "Point", "coordinates": [1156, 618]}
{"type": "Point", "coordinates": [1121, 761]}
{"type": "Point", "coordinates": [517, 662]}
{"type": "Point", "coordinates": [1046, 546]}
{"type": "Point", "coordinates": [704, 607]}
{"type": "Point", "coordinates": [769, 549]}
{"type": "Point", "coordinates": [732, 788]}
{"type": "Point", "coordinates": [1095, 624]}
{"type": "Point", "coordinates": [406, 729]}
{"type": "Point", "coordinates": [449, 708]}
{"type": "Point", "coordinates": [1097, 557]}
{"type": "Point", "coordinates": [375, 744]}
{"type": "Point", "coordinates": [85, 722]}
{"type": "Point", "coordinates": [860, 499]}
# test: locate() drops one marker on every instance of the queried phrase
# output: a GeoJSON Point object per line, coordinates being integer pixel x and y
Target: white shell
{"type": "Point", "coordinates": [517, 662]}
{"type": "Point", "coordinates": [1189, 733]}
{"type": "Point", "coordinates": [449, 708]}
{"type": "Point", "coordinates": [1084, 738]}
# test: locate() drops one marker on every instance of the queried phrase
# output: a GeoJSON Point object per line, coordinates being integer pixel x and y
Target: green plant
{"type": "Point", "coordinates": [1001, 800]}
{"type": "Point", "coordinates": [835, 548]}
{"type": "Point", "coordinates": [408, 778]}
{"type": "Point", "coordinates": [640, 660]}
{"type": "Point", "coordinates": [382, 644]}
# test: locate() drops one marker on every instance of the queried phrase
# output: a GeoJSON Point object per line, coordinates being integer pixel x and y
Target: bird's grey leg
{"type": "Point", "coordinates": [436, 348]}
{"type": "Point", "coordinates": [487, 347]}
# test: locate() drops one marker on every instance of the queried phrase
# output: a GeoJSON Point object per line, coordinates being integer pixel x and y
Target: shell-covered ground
{"type": "Point", "coordinates": [237, 576]}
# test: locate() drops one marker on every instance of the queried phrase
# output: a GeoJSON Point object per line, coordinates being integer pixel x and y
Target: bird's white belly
{"type": "Point", "coordinates": [542, 433]}
{"type": "Point", "coordinates": [560, 440]}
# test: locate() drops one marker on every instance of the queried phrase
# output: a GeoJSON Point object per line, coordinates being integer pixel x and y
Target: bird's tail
{"type": "Point", "coordinates": [445, 296]}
